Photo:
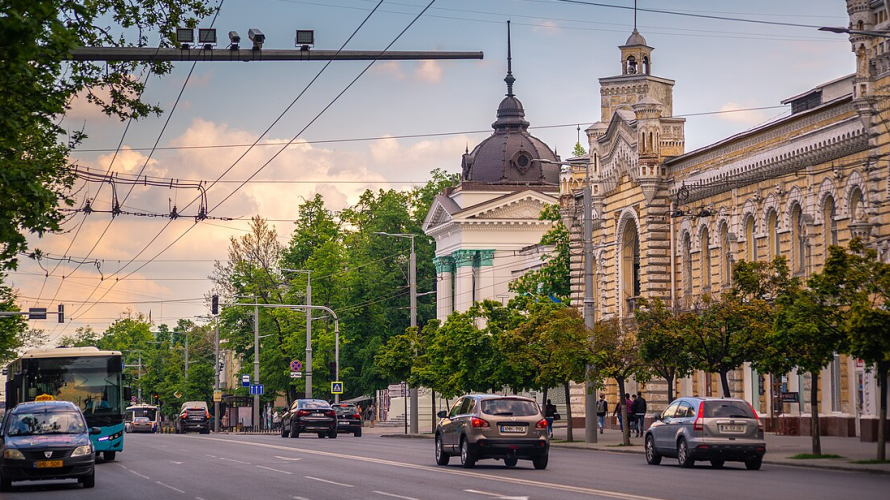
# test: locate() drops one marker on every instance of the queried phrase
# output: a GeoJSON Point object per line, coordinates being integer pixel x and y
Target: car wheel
{"type": "Point", "coordinates": [717, 464]}
{"type": "Point", "coordinates": [652, 456]}
{"type": "Point", "coordinates": [540, 462]}
{"type": "Point", "coordinates": [294, 431]}
{"type": "Point", "coordinates": [332, 433]}
{"type": "Point", "coordinates": [88, 481]}
{"type": "Point", "coordinates": [5, 485]}
{"type": "Point", "coordinates": [683, 454]}
{"type": "Point", "coordinates": [285, 431]}
{"type": "Point", "coordinates": [467, 459]}
{"type": "Point", "coordinates": [109, 455]}
{"type": "Point", "coordinates": [442, 457]}
{"type": "Point", "coordinates": [511, 461]}
{"type": "Point", "coordinates": [321, 435]}
{"type": "Point", "coordinates": [358, 433]}
{"type": "Point", "coordinates": [754, 464]}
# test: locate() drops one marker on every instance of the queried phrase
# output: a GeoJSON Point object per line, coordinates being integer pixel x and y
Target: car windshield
{"type": "Point", "coordinates": [514, 407]}
{"type": "Point", "coordinates": [316, 405]}
{"type": "Point", "coordinates": [727, 409]}
{"type": "Point", "coordinates": [40, 423]}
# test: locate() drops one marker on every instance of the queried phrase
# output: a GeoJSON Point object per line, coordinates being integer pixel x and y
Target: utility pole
{"type": "Point", "coordinates": [186, 365]}
{"type": "Point", "coordinates": [590, 392]}
{"type": "Point", "coordinates": [256, 361]}
{"type": "Point", "coordinates": [214, 310]}
{"type": "Point", "coordinates": [139, 397]}
{"type": "Point", "coordinates": [308, 327]}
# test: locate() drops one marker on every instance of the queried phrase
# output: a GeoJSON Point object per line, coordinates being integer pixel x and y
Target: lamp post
{"type": "Point", "coordinates": [308, 328]}
{"type": "Point", "coordinates": [837, 29]}
{"type": "Point", "coordinates": [412, 286]}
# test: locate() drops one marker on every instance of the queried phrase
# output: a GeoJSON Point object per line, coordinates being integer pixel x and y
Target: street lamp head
{"type": "Point", "coordinates": [834, 29]}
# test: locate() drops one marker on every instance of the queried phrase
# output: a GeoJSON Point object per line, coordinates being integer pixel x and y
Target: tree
{"type": "Point", "coordinates": [617, 355]}
{"type": "Point", "coordinates": [663, 341]}
{"type": "Point", "coordinates": [579, 150]}
{"type": "Point", "coordinates": [12, 329]}
{"type": "Point", "coordinates": [38, 87]}
{"type": "Point", "coordinates": [554, 277]}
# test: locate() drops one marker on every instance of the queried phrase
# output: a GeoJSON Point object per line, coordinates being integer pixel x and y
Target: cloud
{"type": "Point", "coordinates": [392, 69]}
{"type": "Point", "coordinates": [547, 27]}
{"type": "Point", "coordinates": [745, 117]}
{"type": "Point", "coordinates": [428, 71]}
{"type": "Point", "coordinates": [424, 71]}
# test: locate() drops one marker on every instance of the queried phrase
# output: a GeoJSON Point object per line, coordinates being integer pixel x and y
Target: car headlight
{"type": "Point", "coordinates": [83, 450]}
{"type": "Point", "coordinates": [13, 454]}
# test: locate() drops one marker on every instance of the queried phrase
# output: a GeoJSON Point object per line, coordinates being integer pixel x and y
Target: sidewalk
{"type": "Point", "coordinates": [778, 448]}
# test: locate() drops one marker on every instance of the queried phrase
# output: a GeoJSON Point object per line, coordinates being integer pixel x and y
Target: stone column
{"type": "Point", "coordinates": [444, 287]}
{"type": "Point", "coordinates": [463, 280]}
{"type": "Point", "coordinates": [485, 283]}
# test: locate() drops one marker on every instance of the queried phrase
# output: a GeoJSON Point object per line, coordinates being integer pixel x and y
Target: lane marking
{"type": "Point", "coordinates": [300, 498]}
{"type": "Point", "coordinates": [198, 498]}
{"type": "Point", "coordinates": [168, 486]}
{"type": "Point", "coordinates": [496, 495]}
{"type": "Point", "coordinates": [394, 496]}
{"type": "Point", "coordinates": [293, 459]}
{"type": "Point", "coordinates": [140, 475]}
{"type": "Point", "coordinates": [174, 462]}
{"type": "Point", "coordinates": [329, 482]}
{"type": "Point", "coordinates": [445, 470]}
{"type": "Point", "coordinates": [233, 460]}
{"type": "Point", "coordinates": [211, 456]}
{"type": "Point", "coordinates": [275, 470]}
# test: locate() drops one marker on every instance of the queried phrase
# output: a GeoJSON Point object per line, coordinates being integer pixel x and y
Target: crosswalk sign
{"type": "Point", "coordinates": [337, 387]}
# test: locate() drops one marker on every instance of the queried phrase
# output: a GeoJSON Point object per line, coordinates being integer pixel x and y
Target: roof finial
{"type": "Point", "coordinates": [635, 15]}
{"type": "Point", "coordinates": [509, 78]}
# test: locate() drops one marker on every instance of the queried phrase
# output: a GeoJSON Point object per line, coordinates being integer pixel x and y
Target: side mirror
{"type": "Point", "coordinates": [656, 416]}
{"type": "Point", "coordinates": [95, 431]}
{"type": "Point", "coordinates": [442, 414]}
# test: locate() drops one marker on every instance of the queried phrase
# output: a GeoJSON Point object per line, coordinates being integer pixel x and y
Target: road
{"type": "Point", "coordinates": [196, 467]}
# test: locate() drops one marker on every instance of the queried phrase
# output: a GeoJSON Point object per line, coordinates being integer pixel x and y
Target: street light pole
{"type": "Point", "coordinates": [256, 361]}
{"type": "Point", "coordinates": [412, 287]}
{"type": "Point", "coordinates": [308, 328]}
{"type": "Point", "coordinates": [216, 380]}
{"type": "Point", "coordinates": [590, 396]}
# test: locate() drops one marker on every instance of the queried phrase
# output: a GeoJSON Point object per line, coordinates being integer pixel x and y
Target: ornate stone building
{"type": "Point", "coordinates": [487, 229]}
{"type": "Point", "coordinates": [671, 224]}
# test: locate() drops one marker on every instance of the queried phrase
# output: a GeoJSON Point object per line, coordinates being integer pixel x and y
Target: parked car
{"type": "Point", "coordinates": [714, 429]}
{"type": "Point", "coordinates": [46, 440]}
{"type": "Point", "coordinates": [309, 415]}
{"type": "Point", "coordinates": [507, 428]}
{"type": "Point", "coordinates": [348, 418]}
{"type": "Point", "coordinates": [142, 424]}
{"type": "Point", "coordinates": [193, 416]}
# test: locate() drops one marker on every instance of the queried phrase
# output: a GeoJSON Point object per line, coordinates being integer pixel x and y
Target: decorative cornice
{"type": "Point", "coordinates": [485, 258]}
{"type": "Point", "coordinates": [444, 264]}
{"type": "Point", "coordinates": [464, 258]}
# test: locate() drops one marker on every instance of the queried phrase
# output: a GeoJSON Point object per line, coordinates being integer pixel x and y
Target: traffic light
{"type": "Point", "coordinates": [332, 366]}
{"type": "Point", "coordinates": [61, 313]}
{"type": "Point", "coordinates": [214, 305]}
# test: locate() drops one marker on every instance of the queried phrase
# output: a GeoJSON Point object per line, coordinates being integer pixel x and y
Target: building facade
{"type": "Point", "coordinates": [670, 224]}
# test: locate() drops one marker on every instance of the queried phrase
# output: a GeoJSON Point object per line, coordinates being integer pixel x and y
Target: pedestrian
{"type": "Point", "coordinates": [372, 413]}
{"type": "Point", "coordinates": [632, 415]}
{"type": "Point", "coordinates": [602, 407]}
{"type": "Point", "coordinates": [618, 413]}
{"type": "Point", "coordinates": [276, 421]}
{"type": "Point", "coordinates": [550, 415]}
{"type": "Point", "coordinates": [629, 412]}
{"type": "Point", "coordinates": [361, 414]}
{"type": "Point", "coordinates": [640, 413]}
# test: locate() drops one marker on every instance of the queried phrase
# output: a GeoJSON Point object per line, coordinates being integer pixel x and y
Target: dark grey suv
{"type": "Point", "coordinates": [714, 429]}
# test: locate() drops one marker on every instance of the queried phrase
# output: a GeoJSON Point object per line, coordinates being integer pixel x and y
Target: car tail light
{"type": "Point", "coordinates": [302, 413]}
{"type": "Point", "coordinates": [184, 414]}
{"type": "Point", "coordinates": [478, 423]}
{"type": "Point", "coordinates": [759, 422]}
{"type": "Point", "coordinates": [330, 413]}
{"type": "Point", "coordinates": [542, 424]}
{"type": "Point", "coordinates": [699, 424]}
{"type": "Point", "coordinates": [207, 414]}
{"type": "Point", "coordinates": [357, 416]}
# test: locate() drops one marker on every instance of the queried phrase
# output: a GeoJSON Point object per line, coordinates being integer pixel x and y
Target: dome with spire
{"type": "Point", "coordinates": [511, 155]}
{"type": "Point", "coordinates": [635, 38]}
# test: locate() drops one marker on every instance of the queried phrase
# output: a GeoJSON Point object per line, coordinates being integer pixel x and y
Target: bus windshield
{"type": "Point", "coordinates": [151, 413]}
{"type": "Point", "coordinates": [92, 383]}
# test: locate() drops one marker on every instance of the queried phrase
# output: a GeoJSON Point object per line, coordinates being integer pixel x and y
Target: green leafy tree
{"type": "Point", "coordinates": [662, 338]}
{"type": "Point", "coordinates": [579, 150]}
{"type": "Point", "coordinates": [12, 329]}
{"type": "Point", "coordinates": [38, 86]}
{"type": "Point", "coordinates": [554, 277]}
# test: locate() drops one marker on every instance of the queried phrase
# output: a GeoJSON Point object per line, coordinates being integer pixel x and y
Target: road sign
{"type": "Point", "coordinates": [296, 365]}
{"type": "Point", "coordinates": [132, 399]}
{"type": "Point", "coordinates": [296, 374]}
{"type": "Point", "coordinates": [177, 394]}
{"type": "Point", "coordinates": [257, 389]}
{"type": "Point", "coordinates": [337, 387]}
{"type": "Point", "coordinates": [245, 380]}
{"type": "Point", "coordinates": [217, 396]}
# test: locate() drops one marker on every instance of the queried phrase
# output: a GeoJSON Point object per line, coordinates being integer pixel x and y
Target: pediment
{"type": "Point", "coordinates": [440, 213]}
{"type": "Point", "coordinates": [525, 205]}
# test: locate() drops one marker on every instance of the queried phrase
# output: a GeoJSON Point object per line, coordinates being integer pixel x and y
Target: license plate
{"type": "Point", "coordinates": [731, 428]}
{"type": "Point", "coordinates": [512, 428]}
{"type": "Point", "coordinates": [195, 418]}
{"type": "Point", "coordinates": [318, 414]}
{"type": "Point", "coordinates": [46, 464]}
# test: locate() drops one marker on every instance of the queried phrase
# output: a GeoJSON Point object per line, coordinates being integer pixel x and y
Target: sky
{"type": "Point", "coordinates": [156, 266]}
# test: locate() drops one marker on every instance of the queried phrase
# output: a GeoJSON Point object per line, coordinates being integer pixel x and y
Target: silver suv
{"type": "Point", "coordinates": [492, 426]}
{"type": "Point", "coordinates": [715, 429]}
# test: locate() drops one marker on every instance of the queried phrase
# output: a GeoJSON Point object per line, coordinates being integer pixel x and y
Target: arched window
{"type": "Point", "coordinates": [686, 249]}
{"type": "Point", "coordinates": [705, 260]}
{"type": "Point", "coordinates": [798, 240]}
{"type": "Point", "coordinates": [646, 68]}
{"type": "Point", "coordinates": [855, 204]}
{"type": "Point", "coordinates": [726, 256]}
{"type": "Point", "coordinates": [630, 265]}
{"type": "Point", "coordinates": [772, 227]}
{"type": "Point", "coordinates": [750, 241]}
{"type": "Point", "coordinates": [829, 224]}
{"type": "Point", "coordinates": [631, 67]}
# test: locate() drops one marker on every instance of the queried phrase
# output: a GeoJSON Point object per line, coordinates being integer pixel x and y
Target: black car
{"type": "Point", "coordinates": [348, 418]}
{"type": "Point", "coordinates": [193, 416]}
{"type": "Point", "coordinates": [46, 440]}
{"type": "Point", "coordinates": [310, 415]}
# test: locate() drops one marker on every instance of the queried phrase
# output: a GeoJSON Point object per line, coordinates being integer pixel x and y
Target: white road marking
{"type": "Point", "coordinates": [198, 498]}
{"type": "Point", "coordinates": [233, 460]}
{"type": "Point", "coordinates": [140, 475]}
{"type": "Point", "coordinates": [329, 482]}
{"type": "Point", "coordinates": [168, 486]}
{"type": "Point", "coordinates": [496, 495]}
{"type": "Point", "coordinates": [177, 463]}
{"type": "Point", "coordinates": [446, 470]}
{"type": "Point", "coordinates": [300, 498]}
{"type": "Point", "coordinates": [288, 458]}
{"type": "Point", "coordinates": [275, 470]}
{"type": "Point", "coordinates": [394, 496]}
{"type": "Point", "coordinates": [212, 456]}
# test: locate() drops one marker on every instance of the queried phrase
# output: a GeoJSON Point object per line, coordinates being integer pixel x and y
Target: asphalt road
{"type": "Point", "coordinates": [174, 467]}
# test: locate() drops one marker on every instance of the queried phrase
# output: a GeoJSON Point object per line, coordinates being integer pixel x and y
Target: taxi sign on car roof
{"type": "Point", "coordinates": [44, 397]}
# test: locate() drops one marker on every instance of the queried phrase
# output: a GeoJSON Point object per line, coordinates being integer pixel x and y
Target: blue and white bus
{"type": "Point", "coordinates": [85, 376]}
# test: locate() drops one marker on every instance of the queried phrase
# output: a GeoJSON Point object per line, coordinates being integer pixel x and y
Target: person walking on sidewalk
{"type": "Point", "coordinates": [640, 413]}
{"type": "Point", "coordinates": [372, 414]}
{"type": "Point", "coordinates": [602, 407]}
{"type": "Point", "coordinates": [631, 415]}
{"type": "Point", "coordinates": [629, 412]}
{"type": "Point", "coordinates": [619, 411]}
{"type": "Point", "coordinates": [550, 416]}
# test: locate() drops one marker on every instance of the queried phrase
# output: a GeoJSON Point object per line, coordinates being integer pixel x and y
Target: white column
{"type": "Point", "coordinates": [444, 287]}
{"type": "Point", "coordinates": [463, 281]}
{"type": "Point", "coordinates": [485, 283]}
